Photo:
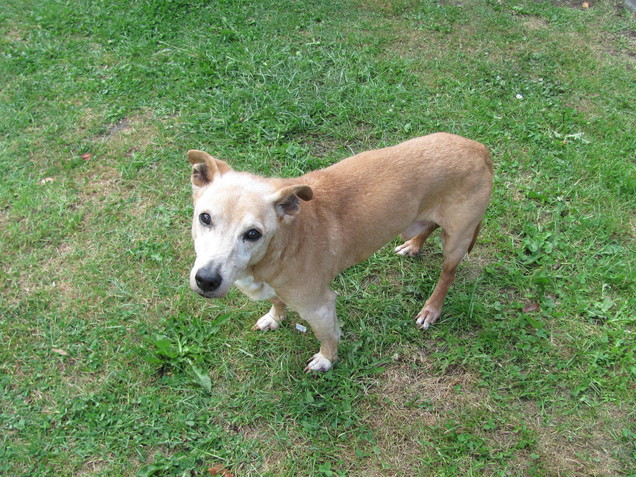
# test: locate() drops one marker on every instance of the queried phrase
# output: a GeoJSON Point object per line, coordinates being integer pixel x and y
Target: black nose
{"type": "Point", "coordinates": [208, 280]}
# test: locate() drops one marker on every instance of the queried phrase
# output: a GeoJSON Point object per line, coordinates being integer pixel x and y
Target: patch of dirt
{"type": "Point", "coordinates": [127, 137]}
{"type": "Point", "coordinates": [4, 218]}
{"type": "Point", "coordinates": [627, 37]}
{"type": "Point", "coordinates": [138, 130]}
{"type": "Point", "coordinates": [103, 183]}
{"type": "Point", "coordinates": [93, 467]}
{"type": "Point", "coordinates": [279, 452]}
{"type": "Point", "coordinates": [121, 126]}
{"type": "Point", "coordinates": [570, 445]}
{"type": "Point", "coordinates": [535, 23]}
{"type": "Point", "coordinates": [13, 36]}
{"type": "Point", "coordinates": [384, 6]}
{"type": "Point", "coordinates": [415, 398]}
{"type": "Point", "coordinates": [320, 146]}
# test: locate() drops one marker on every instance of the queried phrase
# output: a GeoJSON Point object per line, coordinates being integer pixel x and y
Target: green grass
{"type": "Point", "coordinates": [110, 365]}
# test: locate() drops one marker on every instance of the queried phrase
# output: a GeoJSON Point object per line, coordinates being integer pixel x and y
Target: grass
{"type": "Point", "coordinates": [110, 365]}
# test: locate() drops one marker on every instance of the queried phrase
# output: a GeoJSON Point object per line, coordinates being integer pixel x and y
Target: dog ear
{"type": "Point", "coordinates": [204, 167]}
{"type": "Point", "coordinates": [286, 199]}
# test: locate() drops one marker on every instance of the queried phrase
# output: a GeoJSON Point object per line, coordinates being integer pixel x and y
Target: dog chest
{"type": "Point", "coordinates": [255, 290]}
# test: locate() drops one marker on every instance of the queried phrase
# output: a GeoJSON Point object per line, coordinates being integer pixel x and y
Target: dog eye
{"type": "Point", "coordinates": [252, 235]}
{"type": "Point", "coordinates": [205, 219]}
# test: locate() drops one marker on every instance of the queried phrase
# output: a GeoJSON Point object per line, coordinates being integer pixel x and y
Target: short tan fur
{"type": "Point", "coordinates": [286, 239]}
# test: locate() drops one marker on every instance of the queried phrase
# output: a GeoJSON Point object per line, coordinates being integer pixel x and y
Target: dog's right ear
{"type": "Point", "coordinates": [205, 167]}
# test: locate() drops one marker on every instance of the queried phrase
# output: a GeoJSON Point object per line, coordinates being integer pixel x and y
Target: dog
{"type": "Point", "coordinates": [285, 240]}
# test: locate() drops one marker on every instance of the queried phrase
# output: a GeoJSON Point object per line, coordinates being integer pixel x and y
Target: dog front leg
{"type": "Point", "coordinates": [324, 324]}
{"type": "Point", "coordinates": [273, 318]}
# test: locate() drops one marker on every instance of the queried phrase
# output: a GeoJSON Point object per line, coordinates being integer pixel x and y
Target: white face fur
{"type": "Point", "coordinates": [234, 220]}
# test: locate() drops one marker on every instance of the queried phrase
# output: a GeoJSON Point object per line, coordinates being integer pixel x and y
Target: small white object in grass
{"type": "Point", "coordinates": [301, 328]}
{"type": "Point", "coordinates": [519, 96]}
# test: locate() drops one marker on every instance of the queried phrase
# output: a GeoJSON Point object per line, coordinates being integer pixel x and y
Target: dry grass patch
{"type": "Point", "coordinates": [569, 444]}
{"type": "Point", "coordinates": [130, 134]}
{"type": "Point", "coordinates": [535, 23]}
{"type": "Point", "coordinates": [413, 398]}
{"type": "Point", "coordinates": [418, 407]}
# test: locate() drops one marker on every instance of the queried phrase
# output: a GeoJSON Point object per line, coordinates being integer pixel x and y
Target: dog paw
{"type": "Point", "coordinates": [266, 322]}
{"type": "Point", "coordinates": [426, 318]}
{"type": "Point", "coordinates": [407, 249]}
{"type": "Point", "coordinates": [318, 363]}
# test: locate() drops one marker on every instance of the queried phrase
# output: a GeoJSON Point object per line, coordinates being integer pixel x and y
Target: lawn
{"type": "Point", "coordinates": [111, 365]}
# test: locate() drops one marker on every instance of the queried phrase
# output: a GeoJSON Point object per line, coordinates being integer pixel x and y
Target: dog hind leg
{"type": "Point", "coordinates": [455, 247]}
{"type": "Point", "coordinates": [412, 247]}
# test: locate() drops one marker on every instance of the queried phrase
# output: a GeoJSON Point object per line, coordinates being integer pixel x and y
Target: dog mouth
{"type": "Point", "coordinates": [210, 294]}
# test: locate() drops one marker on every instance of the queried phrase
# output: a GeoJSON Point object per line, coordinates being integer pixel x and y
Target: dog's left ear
{"type": "Point", "coordinates": [286, 200]}
{"type": "Point", "coordinates": [205, 167]}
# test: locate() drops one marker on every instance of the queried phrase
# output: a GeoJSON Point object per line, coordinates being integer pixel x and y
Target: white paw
{"type": "Point", "coordinates": [318, 363]}
{"type": "Point", "coordinates": [407, 250]}
{"type": "Point", "coordinates": [422, 324]}
{"type": "Point", "coordinates": [266, 322]}
{"type": "Point", "coordinates": [426, 318]}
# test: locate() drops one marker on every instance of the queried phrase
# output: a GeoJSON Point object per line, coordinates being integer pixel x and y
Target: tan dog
{"type": "Point", "coordinates": [285, 240]}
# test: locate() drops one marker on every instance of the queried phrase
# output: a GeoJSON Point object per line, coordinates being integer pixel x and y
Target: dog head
{"type": "Point", "coordinates": [236, 215]}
